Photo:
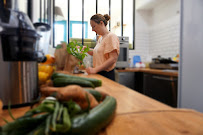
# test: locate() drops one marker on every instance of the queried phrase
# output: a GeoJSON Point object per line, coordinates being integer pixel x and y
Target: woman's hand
{"type": "Point", "coordinates": [90, 52]}
{"type": "Point", "coordinates": [82, 47]}
{"type": "Point", "coordinates": [91, 70]}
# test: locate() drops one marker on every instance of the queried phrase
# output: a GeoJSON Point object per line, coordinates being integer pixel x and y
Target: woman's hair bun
{"type": "Point", "coordinates": [107, 17]}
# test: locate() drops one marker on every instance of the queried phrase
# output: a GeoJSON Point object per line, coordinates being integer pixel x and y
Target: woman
{"type": "Point", "coordinates": [106, 51]}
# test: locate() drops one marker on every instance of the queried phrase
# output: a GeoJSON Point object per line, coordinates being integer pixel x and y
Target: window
{"type": "Point", "coordinates": [60, 32]}
{"type": "Point", "coordinates": [103, 8]}
{"type": "Point", "coordinates": [22, 5]}
{"type": "Point", "coordinates": [128, 21]}
{"type": "Point", "coordinates": [89, 10]}
{"type": "Point", "coordinates": [116, 17]}
{"type": "Point", "coordinates": [75, 29]}
{"type": "Point", "coordinates": [77, 15]}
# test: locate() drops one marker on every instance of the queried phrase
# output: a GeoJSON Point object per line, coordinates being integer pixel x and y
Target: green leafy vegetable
{"type": "Point", "coordinates": [76, 49]}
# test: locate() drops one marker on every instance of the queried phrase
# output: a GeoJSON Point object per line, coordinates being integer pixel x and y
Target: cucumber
{"type": "Point", "coordinates": [61, 82]}
{"type": "Point", "coordinates": [96, 94]}
{"type": "Point", "coordinates": [91, 122]}
{"type": "Point", "coordinates": [96, 82]}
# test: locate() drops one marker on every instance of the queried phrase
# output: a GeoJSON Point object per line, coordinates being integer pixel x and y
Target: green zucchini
{"type": "Point", "coordinates": [96, 82]}
{"type": "Point", "coordinates": [96, 94]}
{"type": "Point", "coordinates": [61, 82]}
{"type": "Point", "coordinates": [24, 123]}
{"type": "Point", "coordinates": [93, 121]}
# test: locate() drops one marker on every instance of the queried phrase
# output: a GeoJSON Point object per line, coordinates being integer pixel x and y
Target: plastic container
{"type": "Point", "coordinates": [44, 30]}
{"type": "Point", "coordinates": [136, 59]}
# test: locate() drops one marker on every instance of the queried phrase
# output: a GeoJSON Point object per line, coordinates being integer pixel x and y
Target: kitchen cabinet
{"type": "Point", "coordinates": [157, 84]}
{"type": "Point", "coordinates": [126, 78]}
{"type": "Point", "coordinates": [160, 87]}
{"type": "Point", "coordinates": [133, 80]}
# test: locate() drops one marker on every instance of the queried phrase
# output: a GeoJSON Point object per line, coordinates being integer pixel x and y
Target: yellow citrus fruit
{"type": "Point", "coordinates": [42, 76]}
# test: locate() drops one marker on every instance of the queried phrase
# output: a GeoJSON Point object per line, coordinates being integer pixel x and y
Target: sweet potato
{"type": "Point", "coordinates": [1, 106]}
{"type": "Point", "coordinates": [74, 92]}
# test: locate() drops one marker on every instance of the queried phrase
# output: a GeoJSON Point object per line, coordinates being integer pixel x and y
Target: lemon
{"type": "Point", "coordinates": [42, 76]}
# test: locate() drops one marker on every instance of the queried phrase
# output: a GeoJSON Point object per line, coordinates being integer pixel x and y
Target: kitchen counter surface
{"type": "Point", "coordinates": [139, 114]}
{"type": "Point", "coordinates": [173, 73]}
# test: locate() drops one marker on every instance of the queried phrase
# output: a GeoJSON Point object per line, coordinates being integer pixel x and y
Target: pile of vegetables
{"type": "Point", "coordinates": [67, 109]}
{"type": "Point", "coordinates": [54, 116]}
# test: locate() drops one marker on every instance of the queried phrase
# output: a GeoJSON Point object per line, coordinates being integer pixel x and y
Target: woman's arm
{"type": "Point", "coordinates": [113, 56]}
{"type": "Point", "coordinates": [90, 52]}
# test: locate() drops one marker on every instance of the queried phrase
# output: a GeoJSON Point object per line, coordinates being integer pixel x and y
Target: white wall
{"type": "Point", "coordinates": [157, 31]}
{"type": "Point", "coordinates": [165, 29]}
{"type": "Point", "coordinates": [141, 35]}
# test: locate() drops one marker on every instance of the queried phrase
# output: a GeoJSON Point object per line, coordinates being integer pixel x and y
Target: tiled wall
{"type": "Point", "coordinates": [157, 31]}
{"type": "Point", "coordinates": [164, 38]}
{"type": "Point", "coordinates": [141, 36]}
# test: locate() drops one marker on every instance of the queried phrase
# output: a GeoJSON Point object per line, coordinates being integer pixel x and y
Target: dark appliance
{"type": "Point", "coordinates": [123, 57]}
{"type": "Point", "coordinates": [163, 63]}
{"type": "Point", "coordinates": [18, 58]}
{"type": "Point", "coordinates": [160, 87]}
{"type": "Point", "coordinates": [125, 78]}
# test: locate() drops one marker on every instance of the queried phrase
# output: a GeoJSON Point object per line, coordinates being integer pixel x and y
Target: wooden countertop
{"type": "Point", "coordinates": [139, 114]}
{"type": "Point", "coordinates": [173, 73]}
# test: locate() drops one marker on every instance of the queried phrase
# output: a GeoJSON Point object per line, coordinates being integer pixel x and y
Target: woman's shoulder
{"type": "Point", "coordinates": [112, 35]}
{"type": "Point", "coordinates": [111, 38]}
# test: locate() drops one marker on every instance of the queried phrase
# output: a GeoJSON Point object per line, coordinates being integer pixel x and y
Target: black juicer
{"type": "Point", "coordinates": [19, 37]}
{"type": "Point", "coordinates": [19, 56]}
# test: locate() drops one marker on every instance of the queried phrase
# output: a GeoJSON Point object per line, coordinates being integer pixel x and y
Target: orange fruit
{"type": "Point", "coordinates": [50, 59]}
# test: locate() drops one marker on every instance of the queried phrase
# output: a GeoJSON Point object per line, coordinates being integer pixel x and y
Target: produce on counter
{"type": "Point", "coordinates": [44, 72]}
{"type": "Point", "coordinates": [1, 106]}
{"type": "Point", "coordinates": [72, 92]}
{"type": "Point", "coordinates": [46, 69]}
{"type": "Point", "coordinates": [96, 119]}
{"type": "Point", "coordinates": [70, 79]}
{"type": "Point", "coordinates": [64, 117]}
{"type": "Point", "coordinates": [43, 77]}
{"type": "Point", "coordinates": [99, 95]}
{"type": "Point", "coordinates": [60, 82]}
{"type": "Point", "coordinates": [69, 55]}
{"type": "Point", "coordinates": [76, 49]}
{"type": "Point", "coordinates": [49, 59]}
